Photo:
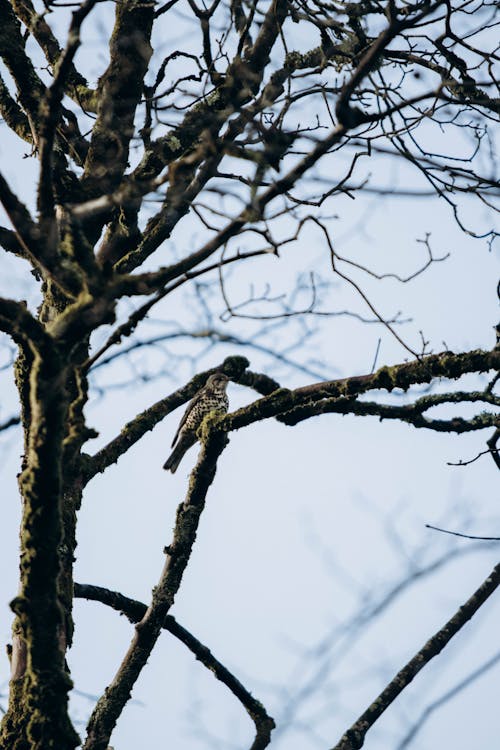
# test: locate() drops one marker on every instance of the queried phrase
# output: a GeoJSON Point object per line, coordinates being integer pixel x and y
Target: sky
{"type": "Point", "coordinates": [307, 528]}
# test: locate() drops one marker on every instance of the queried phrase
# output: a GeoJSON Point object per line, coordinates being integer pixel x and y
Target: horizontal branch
{"type": "Point", "coordinates": [464, 536]}
{"type": "Point", "coordinates": [424, 370]}
{"type": "Point", "coordinates": [135, 611]}
{"type": "Point", "coordinates": [410, 413]}
{"type": "Point", "coordinates": [354, 738]}
{"type": "Point", "coordinates": [11, 422]}
{"type": "Point", "coordinates": [291, 406]}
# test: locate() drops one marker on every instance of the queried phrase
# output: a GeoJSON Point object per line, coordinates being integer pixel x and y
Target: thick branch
{"type": "Point", "coordinates": [30, 88]}
{"type": "Point", "coordinates": [119, 93]}
{"type": "Point", "coordinates": [17, 321]}
{"type": "Point", "coordinates": [445, 365]}
{"type": "Point", "coordinates": [38, 701]}
{"type": "Point", "coordinates": [111, 704]}
{"type": "Point", "coordinates": [13, 115]}
{"type": "Point", "coordinates": [10, 242]}
{"type": "Point", "coordinates": [50, 111]}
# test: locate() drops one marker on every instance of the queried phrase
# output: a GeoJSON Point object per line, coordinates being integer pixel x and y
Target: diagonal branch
{"type": "Point", "coordinates": [18, 322]}
{"type": "Point", "coordinates": [13, 115]}
{"type": "Point", "coordinates": [110, 706]}
{"type": "Point", "coordinates": [77, 87]}
{"type": "Point", "coordinates": [30, 88]}
{"type": "Point", "coordinates": [355, 736]}
{"type": "Point", "coordinates": [34, 245]}
{"type": "Point", "coordinates": [492, 446]}
{"type": "Point", "coordinates": [10, 242]}
{"type": "Point", "coordinates": [135, 611]}
{"type": "Point", "coordinates": [449, 695]}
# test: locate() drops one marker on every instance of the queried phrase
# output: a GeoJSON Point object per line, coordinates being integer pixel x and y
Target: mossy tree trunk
{"type": "Point", "coordinates": [53, 393]}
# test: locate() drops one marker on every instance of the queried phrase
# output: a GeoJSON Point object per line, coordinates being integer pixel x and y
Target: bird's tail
{"type": "Point", "coordinates": [173, 461]}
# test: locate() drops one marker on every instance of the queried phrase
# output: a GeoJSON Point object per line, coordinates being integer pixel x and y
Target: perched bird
{"type": "Point", "coordinates": [211, 396]}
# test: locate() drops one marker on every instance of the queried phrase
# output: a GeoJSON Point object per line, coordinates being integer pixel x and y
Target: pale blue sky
{"type": "Point", "coordinates": [295, 531]}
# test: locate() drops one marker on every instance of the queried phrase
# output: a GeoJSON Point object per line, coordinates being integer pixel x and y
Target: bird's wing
{"type": "Point", "coordinates": [193, 401]}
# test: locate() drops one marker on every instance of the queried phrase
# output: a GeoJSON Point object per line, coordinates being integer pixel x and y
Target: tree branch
{"type": "Point", "coordinates": [110, 706]}
{"type": "Point", "coordinates": [135, 611]}
{"type": "Point", "coordinates": [449, 695]}
{"type": "Point", "coordinates": [51, 107]}
{"type": "Point", "coordinates": [284, 402]}
{"type": "Point", "coordinates": [11, 422]}
{"type": "Point", "coordinates": [77, 87]}
{"type": "Point", "coordinates": [410, 413]}
{"type": "Point", "coordinates": [354, 738]}
{"type": "Point", "coordinates": [18, 322]}
{"type": "Point", "coordinates": [146, 420]}
{"type": "Point", "coordinates": [119, 92]}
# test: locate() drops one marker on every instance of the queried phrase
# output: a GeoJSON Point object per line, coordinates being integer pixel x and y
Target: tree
{"type": "Point", "coordinates": [250, 125]}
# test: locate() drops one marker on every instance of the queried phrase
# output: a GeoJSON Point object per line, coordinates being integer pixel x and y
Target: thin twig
{"type": "Point", "coordinates": [464, 536]}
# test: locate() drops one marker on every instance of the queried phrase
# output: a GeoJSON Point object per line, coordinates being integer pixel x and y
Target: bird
{"type": "Point", "coordinates": [209, 398]}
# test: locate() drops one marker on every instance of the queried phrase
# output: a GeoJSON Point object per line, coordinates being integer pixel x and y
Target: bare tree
{"type": "Point", "coordinates": [231, 126]}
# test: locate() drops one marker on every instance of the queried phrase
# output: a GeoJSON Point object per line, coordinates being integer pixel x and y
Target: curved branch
{"type": "Point", "coordinates": [449, 695]}
{"type": "Point", "coordinates": [135, 611]}
{"type": "Point", "coordinates": [18, 322]}
{"type": "Point", "coordinates": [410, 413]}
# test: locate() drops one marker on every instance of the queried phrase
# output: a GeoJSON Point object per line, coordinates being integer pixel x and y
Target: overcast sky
{"type": "Point", "coordinates": [305, 527]}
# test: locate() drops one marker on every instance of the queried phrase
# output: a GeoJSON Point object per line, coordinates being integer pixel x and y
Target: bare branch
{"type": "Point", "coordinates": [135, 612]}
{"type": "Point", "coordinates": [111, 704]}
{"type": "Point", "coordinates": [11, 422]}
{"type": "Point", "coordinates": [449, 695]}
{"type": "Point", "coordinates": [464, 536]}
{"type": "Point", "coordinates": [354, 738]}
{"type": "Point", "coordinates": [285, 402]}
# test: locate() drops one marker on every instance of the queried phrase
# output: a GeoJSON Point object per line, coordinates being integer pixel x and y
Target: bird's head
{"type": "Point", "coordinates": [218, 380]}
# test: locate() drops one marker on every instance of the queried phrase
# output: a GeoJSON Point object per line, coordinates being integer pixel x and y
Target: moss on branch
{"type": "Point", "coordinates": [445, 365]}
